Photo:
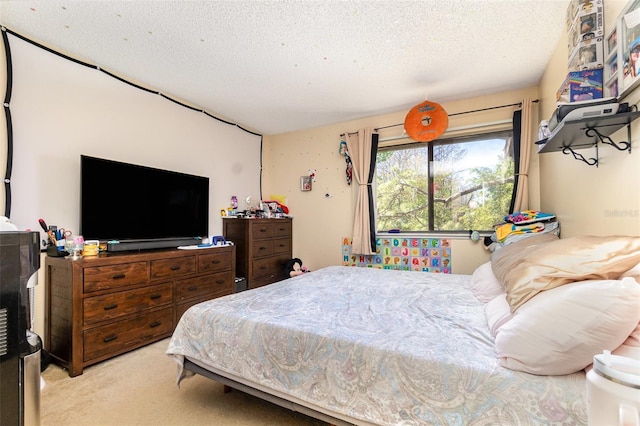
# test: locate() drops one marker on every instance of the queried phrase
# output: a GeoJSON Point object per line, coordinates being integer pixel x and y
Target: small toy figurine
{"type": "Point", "coordinates": [294, 267]}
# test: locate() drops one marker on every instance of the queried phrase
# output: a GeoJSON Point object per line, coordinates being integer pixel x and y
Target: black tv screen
{"type": "Point", "coordinates": [121, 201]}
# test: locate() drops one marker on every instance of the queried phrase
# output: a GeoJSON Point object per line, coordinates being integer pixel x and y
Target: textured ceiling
{"type": "Point", "coordinates": [283, 65]}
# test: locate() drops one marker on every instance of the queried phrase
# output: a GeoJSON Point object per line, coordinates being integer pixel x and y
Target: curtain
{"type": "Point", "coordinates": [363, 146]}
{"type": "Point", "coordinates": [522, 152]}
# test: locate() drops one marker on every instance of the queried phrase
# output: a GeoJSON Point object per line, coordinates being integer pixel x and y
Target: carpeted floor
{"type": "Point", "coordinates": [139, 388]}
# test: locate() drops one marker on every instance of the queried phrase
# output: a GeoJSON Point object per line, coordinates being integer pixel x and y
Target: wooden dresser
{"type": "Point", "coordinates": [263, 248]}
{"type": "Point", "coordinates": [100, 307]}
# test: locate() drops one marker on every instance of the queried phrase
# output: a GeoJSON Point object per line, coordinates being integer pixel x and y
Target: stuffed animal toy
{"type": "Point", "coordinates": [294, 267]}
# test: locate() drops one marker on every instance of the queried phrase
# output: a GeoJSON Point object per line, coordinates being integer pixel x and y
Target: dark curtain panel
{"type": "Point", "coordinates": [517, 131]}
{"type": "Point", "coordinates": [372, 174]}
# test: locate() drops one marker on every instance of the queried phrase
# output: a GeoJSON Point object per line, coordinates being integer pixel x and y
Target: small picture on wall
{"type": "Point", "coordinates": [305, 183]}
{"type": "Point", "coordinates": [612, 41]}
{"type": "Point", "coordinates": [629, 30]}
{"type": "Point", "coordinates": [612, 89]}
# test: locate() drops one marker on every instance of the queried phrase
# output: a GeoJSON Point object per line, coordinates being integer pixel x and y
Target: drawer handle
{"type": "Point", "coordinates": [155, 324]}
{"type": "Point", "coordinates": [175, 268]}
{"type": "Point", "coordinates": [263, 267]}
{"type": "Point", "coordinates": [112, 306]}
{"type": "Point", "coordinates": [118, 276]}
{"type": "Point", "coordinates": [220, 281]}
{"type": "Point", "coordinates": [155, 296]}
{"type": "Point", "coordinates": [282, 245]}
{"type": "Point", "coordinates": [216, 261]}
{"type": "Point", "coordinates": [110, 338]}
{"type": "Point", "coordinates": [193, 288]}
{"type": "Point", "coordinates": [261, 248]}
{"type": "Point", "coordinates": [263, 230]}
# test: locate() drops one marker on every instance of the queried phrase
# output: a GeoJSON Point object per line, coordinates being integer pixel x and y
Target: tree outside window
{"type": "Point", "coordinates": [456, 184]}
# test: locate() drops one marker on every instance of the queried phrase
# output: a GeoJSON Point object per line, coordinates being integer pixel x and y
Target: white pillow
{"type": "Point", "coordinates": [560, 330]}
{"type": "Point", "coordinates": [633, 273]}
{"type": "Point", "coordinates": [498, 313]}
{"type": "Point", "coordinates": [631, 347]}
{"type": "Point", "coordinates": [484, 284]}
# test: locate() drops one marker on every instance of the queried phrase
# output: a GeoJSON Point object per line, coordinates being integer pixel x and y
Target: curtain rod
{"type": "Point", "coordinates": [451, 129]}
{"type": "Point", "coordinates": [460, 113]}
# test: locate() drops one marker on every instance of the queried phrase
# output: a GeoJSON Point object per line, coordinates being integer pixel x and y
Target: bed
{"type": "Point", "coordinates": [370, 346]}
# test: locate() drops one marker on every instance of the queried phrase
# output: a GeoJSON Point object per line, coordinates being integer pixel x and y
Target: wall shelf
{"type": "Point", "coordinates": [570, 136]}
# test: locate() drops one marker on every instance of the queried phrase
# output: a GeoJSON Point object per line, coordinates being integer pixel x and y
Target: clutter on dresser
{"type": "Point", "coordinates": [265, 209]}
{"type": "Point", "coordinates": [56, 241]}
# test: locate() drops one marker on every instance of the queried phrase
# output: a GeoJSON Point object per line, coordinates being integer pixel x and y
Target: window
{"type": "Point", "coordinates": [451, 184]}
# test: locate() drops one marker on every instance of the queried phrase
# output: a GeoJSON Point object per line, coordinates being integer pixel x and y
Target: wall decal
{"type": "Point", "coordinates": [409, 254]}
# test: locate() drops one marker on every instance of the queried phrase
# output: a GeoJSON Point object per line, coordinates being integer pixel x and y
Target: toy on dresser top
{"type": "Point", "coordinates": [214, 241]}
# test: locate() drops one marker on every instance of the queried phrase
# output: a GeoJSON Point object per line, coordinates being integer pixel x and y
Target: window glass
{"type": "Point", "coordinates": [445, 185]}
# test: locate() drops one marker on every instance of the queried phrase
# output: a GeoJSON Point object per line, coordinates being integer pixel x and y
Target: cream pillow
{"type": "Point", "coordinates": [484, 285]}
{"type": "Point", "coordinates": [560, 330]}
{"type": "Point", "coordinates": [538, 267]}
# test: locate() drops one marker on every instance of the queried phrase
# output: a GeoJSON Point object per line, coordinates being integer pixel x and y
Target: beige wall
{"type": "Point", "coordinates": [588, 200]}
{"type": "Point", "coordinates": [320, 222]}
{"type": "Point", "coordinates": [599, 200]}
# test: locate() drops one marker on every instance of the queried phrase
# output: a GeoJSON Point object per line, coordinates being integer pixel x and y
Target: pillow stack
{"type": "Point", "coordinates": [553, 304]}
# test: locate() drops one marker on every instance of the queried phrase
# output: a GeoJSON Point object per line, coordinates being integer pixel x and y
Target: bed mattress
{"type": "Point", "coordinates": [374, 346]}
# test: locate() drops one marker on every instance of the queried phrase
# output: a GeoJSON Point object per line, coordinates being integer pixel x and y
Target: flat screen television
{"type": "Point", "coordinates": [137, 207]}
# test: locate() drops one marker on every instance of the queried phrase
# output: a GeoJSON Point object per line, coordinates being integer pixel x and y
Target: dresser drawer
{"type": "Point", "coordinates": [128, 334]}
{"type": "Point", "coordinates": [281, 245]}
{"type": "Point", "coordinates": [111, 277]}
{"type": "Point", "coordinates": [261, 230]}
{"type": "Point", "coordinates": [282, 228]}
{"type": "Point", "coordinates": [267, 267]}
{"type": "Point", "coordinates": [173, 267]}
{"type": "Point", "coordinates": [261, 248]}
{"type": "Point", "coordinates": [205, 287]}
{"type": "Point", "coordinates": [114, 305]}
{"type": "Point", "coordinates": [214, 262]}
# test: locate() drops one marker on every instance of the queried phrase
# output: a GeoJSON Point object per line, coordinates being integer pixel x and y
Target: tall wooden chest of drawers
{"type": "Point", "coordinates": [263, 248]}
{"type": "Point", "coordinates": [100, 307]}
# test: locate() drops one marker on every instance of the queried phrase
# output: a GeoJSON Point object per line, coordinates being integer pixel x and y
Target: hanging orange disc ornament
{"type": "Point", "coordinates": [426, 121]}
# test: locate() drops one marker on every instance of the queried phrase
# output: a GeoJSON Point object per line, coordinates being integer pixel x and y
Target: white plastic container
{"type": "Point", "coordinates": [613, 391]}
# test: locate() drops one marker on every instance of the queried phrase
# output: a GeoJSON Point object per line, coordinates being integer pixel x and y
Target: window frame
{"type": "Point", "coordinates": [470, 137]}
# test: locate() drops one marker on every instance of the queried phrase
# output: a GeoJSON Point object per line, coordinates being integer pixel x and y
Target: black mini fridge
{"type": "Point", "coordinates": [20, 348]}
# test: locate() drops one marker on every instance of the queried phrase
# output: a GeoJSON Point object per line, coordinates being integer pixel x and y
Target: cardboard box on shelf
{"type": "Point", "coordinates": [588, 55]}
{"type": "Point", "coordinates": [581, 86]}
{"type": "Point", "coordinates": [585, 25]}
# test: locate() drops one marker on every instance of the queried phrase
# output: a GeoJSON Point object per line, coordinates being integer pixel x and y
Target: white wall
{"type": "Point", "coordinates": [61, 109]}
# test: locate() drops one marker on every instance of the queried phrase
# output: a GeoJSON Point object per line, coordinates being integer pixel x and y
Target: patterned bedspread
{"type": "Point", "coordinates": [380, 346]}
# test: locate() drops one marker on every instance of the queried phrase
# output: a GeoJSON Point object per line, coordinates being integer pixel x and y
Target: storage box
{"type": "Point", "coordinates": [581, 86]}
{"type": "Point", "coordinates": [587, 55]}
{"type": "Point", "coordinates": [585, 29]}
